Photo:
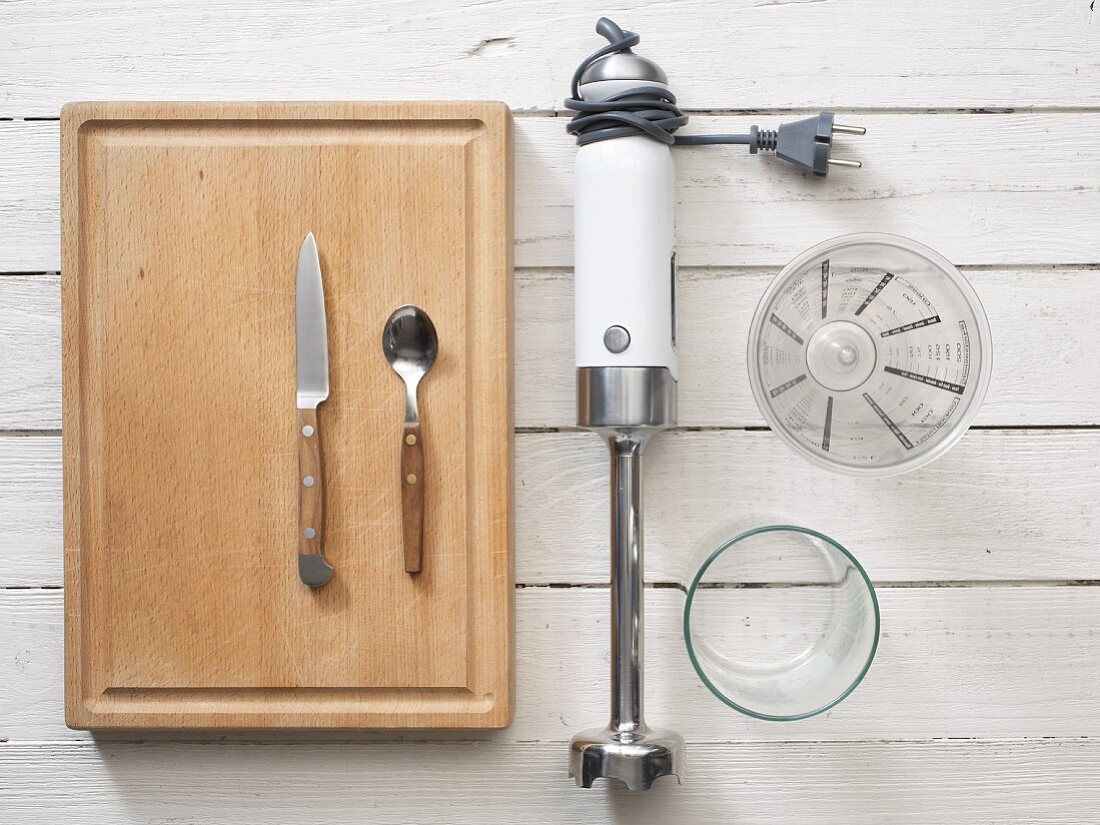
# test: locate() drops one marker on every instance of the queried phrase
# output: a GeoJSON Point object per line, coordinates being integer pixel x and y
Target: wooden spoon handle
{"type": "Point", "coordinates": [412, 497]}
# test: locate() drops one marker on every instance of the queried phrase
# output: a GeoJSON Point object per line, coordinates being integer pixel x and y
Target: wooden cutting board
{"type": "Point", "coordinates": [181, 229]}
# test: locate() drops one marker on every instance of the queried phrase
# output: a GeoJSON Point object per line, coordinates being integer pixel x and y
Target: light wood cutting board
{"type": "Point", "coordinates": [181, 229]}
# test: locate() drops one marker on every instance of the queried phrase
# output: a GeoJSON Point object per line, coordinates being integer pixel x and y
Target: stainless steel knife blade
{"type": "Point", "coordinates": [311, 327]}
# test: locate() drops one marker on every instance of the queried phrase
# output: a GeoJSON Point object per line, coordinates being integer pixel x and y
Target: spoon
{"type": "Point", "coordinates": [410, 345]}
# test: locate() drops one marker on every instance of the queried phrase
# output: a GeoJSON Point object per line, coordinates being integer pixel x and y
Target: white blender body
{"type": "Point", "coordinates": [624, 260]}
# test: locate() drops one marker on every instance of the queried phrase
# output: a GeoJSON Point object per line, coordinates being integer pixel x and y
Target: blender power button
{"type": "Point", "coordinates": [616, 339]}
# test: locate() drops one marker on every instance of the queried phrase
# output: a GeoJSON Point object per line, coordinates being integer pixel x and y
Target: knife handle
{"type": "Point", "coordinates": [312, 567]}
{"type": "Point", "coordinates": [412, 496]}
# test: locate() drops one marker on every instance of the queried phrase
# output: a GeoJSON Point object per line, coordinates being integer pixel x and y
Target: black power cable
{"type": "Point", "coordinates": [650, 110]}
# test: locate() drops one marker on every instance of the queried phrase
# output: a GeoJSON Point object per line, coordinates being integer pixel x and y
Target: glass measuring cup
{"type": "Point", "coordinates": [781, 622]}
{"type": "Point", "coordinates": [870, 354]}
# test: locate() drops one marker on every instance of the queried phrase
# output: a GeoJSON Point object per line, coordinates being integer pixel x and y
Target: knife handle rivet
{"type": "Point", "coordinates": [308, 481]}
{"type": "Point", "coordinates": [307, 431]}
{"type": "Point", "coordinates": [410, 439]}
{"type": "Point", "coordinates": [411, 478]}
{"type": "Point", "coordinates": [309, 533]}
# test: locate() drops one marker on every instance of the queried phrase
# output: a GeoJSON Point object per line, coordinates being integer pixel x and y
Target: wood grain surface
{"type": "Point", "coordinates": [982, 143]}
{"type": "Point", "coordinates": [182, 489]}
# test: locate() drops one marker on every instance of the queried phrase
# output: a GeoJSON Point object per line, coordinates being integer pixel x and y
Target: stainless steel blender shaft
{"type": "Point", "coordinates": [627, 583]}
{"type": "Point", "coordinates": [627, 406]}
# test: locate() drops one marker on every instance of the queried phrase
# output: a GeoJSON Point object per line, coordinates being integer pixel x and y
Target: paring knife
{"type": "Point", "coordinates": [311, 346]}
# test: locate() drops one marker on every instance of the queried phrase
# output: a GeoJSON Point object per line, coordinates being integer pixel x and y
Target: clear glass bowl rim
{"type": "Point", "coordinates": [747, 534]}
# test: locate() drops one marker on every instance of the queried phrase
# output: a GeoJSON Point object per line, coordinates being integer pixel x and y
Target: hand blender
{"type": "Point", "coordinates": [626, 372]}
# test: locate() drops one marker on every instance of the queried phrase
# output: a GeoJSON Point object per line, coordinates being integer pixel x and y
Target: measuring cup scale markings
{"type": "Point", "coordinates": [869, 354]}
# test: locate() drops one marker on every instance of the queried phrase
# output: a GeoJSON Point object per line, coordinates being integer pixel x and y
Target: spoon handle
{"type": "Point", "coordinates": [412, 496]}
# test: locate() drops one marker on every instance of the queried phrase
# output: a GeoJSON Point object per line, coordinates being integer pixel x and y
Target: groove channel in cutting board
{"type": "Point", "coordinates": [182, 224]}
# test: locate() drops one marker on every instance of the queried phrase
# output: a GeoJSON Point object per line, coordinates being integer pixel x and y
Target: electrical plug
{"type": "Point", "coordinates": [806, 143]}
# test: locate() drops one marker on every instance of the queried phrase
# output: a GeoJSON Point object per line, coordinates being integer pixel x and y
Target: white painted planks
{"type": "Point", "coordinates": [953, 662]}
{"type": "Point", "coordinates": [981, 189]}
{"type": "Point", "coordinates": [733, 54]}
{"type": "Point", "coordinates": [1042, 319]}
{"type": "Point", "coordinates": [826, 783]}
{"type": "Point", "coordinates": [1002, 505]}
{"type": "Point", "coordinates": [30, 195]}
{"type": "Point", "coordinates": [30, 352]}
{"type": "Point", "coordinates": [1008, 191]}
{"type": "Point", "coordinates": [1044, 343]}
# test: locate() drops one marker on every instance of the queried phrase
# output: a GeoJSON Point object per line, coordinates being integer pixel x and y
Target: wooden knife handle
{"type": "Point", "coordinates": [412, 496]}
{"type": "Point", "coordinates": [311, 502]}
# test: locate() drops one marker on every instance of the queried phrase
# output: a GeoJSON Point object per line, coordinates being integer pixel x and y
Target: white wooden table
{"type": "Point", "coordinates": [984, 142]}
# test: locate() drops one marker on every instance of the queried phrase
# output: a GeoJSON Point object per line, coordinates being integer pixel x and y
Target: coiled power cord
{"type": "Point", "coordinates": [650, 110]}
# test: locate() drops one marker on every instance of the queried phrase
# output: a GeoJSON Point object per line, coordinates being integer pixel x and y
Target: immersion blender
{"type": "Point", "coordinates": [626, 375]}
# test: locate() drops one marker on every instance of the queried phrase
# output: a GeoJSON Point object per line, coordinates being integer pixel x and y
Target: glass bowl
{"type": "Point", "coordinates": [781, 622]}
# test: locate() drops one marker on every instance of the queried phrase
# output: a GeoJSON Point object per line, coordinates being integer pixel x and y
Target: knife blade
{"type": "Point", "coordinates": [311, 350]}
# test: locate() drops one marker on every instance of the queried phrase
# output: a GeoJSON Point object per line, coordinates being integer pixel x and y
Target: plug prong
{"type": "Point", "coordinates": [849, 164]}
{"type": "Point", "coordinates": [841, 129]}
